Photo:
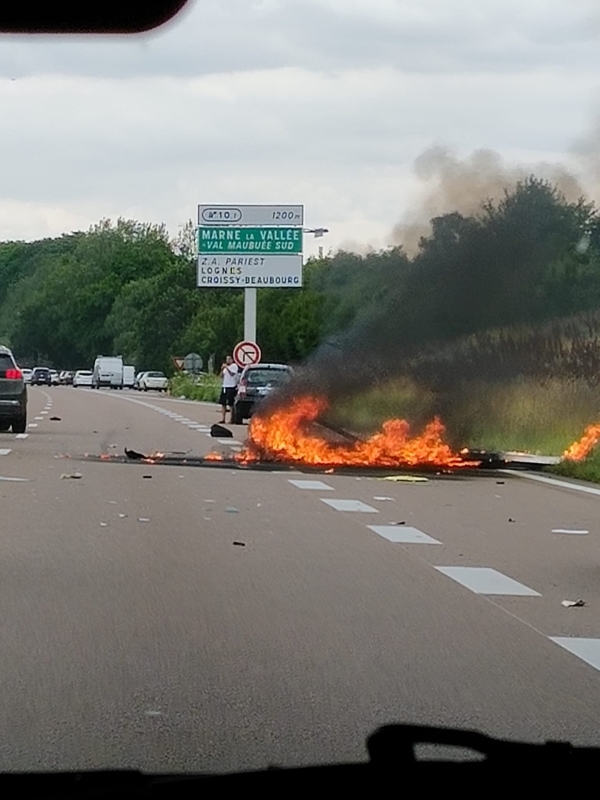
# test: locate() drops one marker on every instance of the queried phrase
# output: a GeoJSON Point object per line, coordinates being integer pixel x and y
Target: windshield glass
{"type": "Point", "coordinates": [395, 199]}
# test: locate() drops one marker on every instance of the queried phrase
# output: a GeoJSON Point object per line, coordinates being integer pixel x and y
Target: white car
{"type": "Point", "coordinates": [54, 377]}
{"type": "Point", "coordinates": [27, 375]}
{"type": "Point", "coordinates": [83, 377]}
{"type": "Point", "coordinates": [153, 380]}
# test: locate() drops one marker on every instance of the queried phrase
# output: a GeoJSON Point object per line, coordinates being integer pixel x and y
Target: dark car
{"type": "Point", "coordinates": [41, 376]}
{"type": "Point", "coordinates": [13, 394]}
{"type": "Point", "coordinates": [256, 382]}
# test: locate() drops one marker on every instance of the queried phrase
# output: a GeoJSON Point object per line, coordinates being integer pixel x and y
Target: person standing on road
{"type": "Point", "coordinates": [230, 376]}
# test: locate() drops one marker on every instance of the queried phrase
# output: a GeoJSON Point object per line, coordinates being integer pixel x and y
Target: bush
{"type": "Point", "coordinates": [204, 388]}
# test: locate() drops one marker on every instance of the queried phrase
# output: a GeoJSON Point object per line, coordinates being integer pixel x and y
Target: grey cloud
{"type": "Point", "coordinates": [231, 35]}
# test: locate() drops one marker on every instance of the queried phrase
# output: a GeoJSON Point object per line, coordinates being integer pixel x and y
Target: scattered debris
{"type": "Point", "coordinates": [112, 446]}
{"type": "Point", "coordinates": [231, 509]}
{"type": "Point", "coordinates": [112, 502]}
{"type": "Point", "coordinates": [71, 476]}
{"type": "Point", "coordinates": [510, 519]}
{"type": "Point", "coordinates": [147, 477]}
{"type": "Point", "coordinates": [104, 524]}
{"type": "Point", "coordinates": [133, 455]}
{"type": "Point", "coordinates": [402, 522]}
{"type": "Point", "coordinates": [14, 480]}
{"type": "Point", "coordinates": [122, 516]}
{"type": "Point", "coordinates": [143, 519]}
{"type": "Point", "coordinates": [55, 419]}
{"type": "Point", "coordinates": [498, 496]}
{"type": "Point", "coordinates": [219, 432]}
{"type": "Point", "coordinates": [240, 544]}
{"type": "Point", "coordinates": [94, 431]}
{"type": "Point", "coordinates": [573, 603]}
{"type": "Point", "coordinates": [404, 479]}
{"type": "Point", "coordinates": [568, 530]}
{"type": "Point", "coordinates": [500, 483]}
{"type": "Point", "coordinates": [151, 712]}
{"type": "Point", "coordinates": [380, 497]}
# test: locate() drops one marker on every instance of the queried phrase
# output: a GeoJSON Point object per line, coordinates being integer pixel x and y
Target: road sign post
{"type": "Point", "coordinates": [246, 353]}
{"type": "Point", "coordinates": [250, 315]}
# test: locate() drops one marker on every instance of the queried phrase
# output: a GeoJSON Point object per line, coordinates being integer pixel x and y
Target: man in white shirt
{"type": "Point", "coordinates": [230, 377]}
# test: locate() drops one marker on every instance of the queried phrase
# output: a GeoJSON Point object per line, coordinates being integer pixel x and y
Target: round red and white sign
{"type": "Point", "coordinates": [246, 353]}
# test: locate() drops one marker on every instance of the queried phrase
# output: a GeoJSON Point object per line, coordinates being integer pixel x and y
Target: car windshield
{"type": "Point", "coordinates": [385, 216]}
{"type": "Point", "coordinates": [261, 377]}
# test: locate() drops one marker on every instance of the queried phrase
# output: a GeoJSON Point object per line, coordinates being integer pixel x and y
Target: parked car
{"type": "Point", "coordinates": [54, 377]}
{"type": "Point", "coordinates": [83, 377]}
{"type": "Point", "coordinates": [27, 374]}
{"type": "Point", "coordinates": [256, 382]}
{"type": "Point", "coordinates": [66, 377]}
{"type": "Point", "coordinates": [153, 380]}
{"type": "Point", "coordinates": [13, 394]}
{"type": "Point", "coordinates": [41, 377]}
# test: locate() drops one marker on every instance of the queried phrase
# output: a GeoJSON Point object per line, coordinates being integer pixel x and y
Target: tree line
{"type": "Point", "coordinates": [127, 288]}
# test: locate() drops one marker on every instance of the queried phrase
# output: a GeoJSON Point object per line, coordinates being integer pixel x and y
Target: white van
{"type": "Point", "coordinates": [108, 371]}
{"type": "Point", "coordinates": [128, 377]}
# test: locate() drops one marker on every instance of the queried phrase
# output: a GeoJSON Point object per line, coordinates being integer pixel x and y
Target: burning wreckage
{"type": "Point", "coordinates": [294, 436]}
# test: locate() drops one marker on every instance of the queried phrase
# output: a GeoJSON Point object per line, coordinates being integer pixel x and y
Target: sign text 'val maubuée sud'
{"type": "Point", "coordinates": [250, 246]}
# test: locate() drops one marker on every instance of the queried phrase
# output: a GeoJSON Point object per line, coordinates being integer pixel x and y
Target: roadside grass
{"type": "Point", "coordinates": [204, 388]}
{"type": "Point", "coordinates": [522, 414]}
{"type": "Point", "coordinates": [587, 470]}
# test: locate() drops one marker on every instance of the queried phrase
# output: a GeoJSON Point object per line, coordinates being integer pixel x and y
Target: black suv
{"type": "Point", "coordinates": [256, 382]}
{"type": "Point", "coordinates": [41, 376]}
{"type": "Point", "coordinates": [13, 394]}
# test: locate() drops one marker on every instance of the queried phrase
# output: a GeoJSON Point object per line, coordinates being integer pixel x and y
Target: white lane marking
{"type": "Point", "coordinates": [38, 418]}
{"type": "Point", "coordinates": [318, 486]}
{"type": "Point", "coordinates": [403, 534]}
{"type": "Point", "coordinates": [32, 425]}
{"type": "Point", "coordinates": [43, 413]}
{"type": "Point", "coordinates": [567, 530]}
{"type": "Point", "coordinates": [587, 650]}
{"type": "Point", "coordinates": [4, 451]}
{"type": "Point", "coordinates": [349, 505]}
{"type": "Point", "coordinates": [553, 481]}
{"type": "Point", "coordinates": [21, 435]}
{"type": "Point", "coordinates": [485, 580]}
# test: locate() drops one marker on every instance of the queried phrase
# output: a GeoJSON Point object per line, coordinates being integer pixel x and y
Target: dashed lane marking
{"type": "Point", "coordinates": [349, 505]}
{"type": "Point", "coordinates": [32, 425]}
{"type": "Point", "coordinates": [402, 534]}
{"type": "Point", "coordinates": [485, 580]}
{"type": "Point", "coordinates": [4, 451]}
{"type": "Point", "coordinates": [21, 435]}
{"type": "Point", "coordinates": [587, 650]}
{"type": "Point", "coordinates": [317, 486]}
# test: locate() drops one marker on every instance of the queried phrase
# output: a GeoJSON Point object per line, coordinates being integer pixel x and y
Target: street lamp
{"type": "Point", "coordinates": [317, 233]}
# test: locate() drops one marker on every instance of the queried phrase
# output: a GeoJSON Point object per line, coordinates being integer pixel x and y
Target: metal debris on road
{"type": "Point", "coordinates": [134, 456]}
{"type": "Point", "coordinates": [104, 524]}
{"type": "Point", "coordinates": [143, 519]}
{"type": "Point", "coordinates": [122, 516]}
{"type": "Point", "coordinates": [404, 479]}
{"type": "Point", "coordinates": [402, 522]}
{"type": "Point", "coordinates": [112, 446]}
{"type": "Point", "coordinates": [71, 476]}
{"type": "Point", "coordinates": [231, 509]}
{"type": "Point", "coordinates": [55, 419]}
{"type": "Point", "coordinates": [379, 497]}
{"type": "Point", "coordinates": [147, 477]}
{"type": "Point", "coordinates": [510, 519]}
{"type": "Point", "coordinates": [14, 480]}
{"type": "Point", "coordinates": [240, 544]}
{"type": "Point", "coordinates": [219, 432]}
{"type": "Point", "coordinates": [573, 603]}
{"type": "Point", "coordinates": [500, 482]}
{"type": "Point", "coordinates": [569, 530]}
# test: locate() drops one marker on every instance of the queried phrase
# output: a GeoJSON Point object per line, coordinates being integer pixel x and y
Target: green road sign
{"type": "Point", "coordinates": [275, 241]}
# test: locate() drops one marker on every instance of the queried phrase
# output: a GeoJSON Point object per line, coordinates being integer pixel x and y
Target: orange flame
{"type": "Point", "coordinates": [213, 457]}
{"type": "Point", "coordinates": [581, 448]}
{"type": "Point", "coordinates": [283, 436]}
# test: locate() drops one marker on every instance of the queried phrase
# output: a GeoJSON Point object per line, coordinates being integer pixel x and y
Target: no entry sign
{"type": "Point", "coordinates": [246, 353]}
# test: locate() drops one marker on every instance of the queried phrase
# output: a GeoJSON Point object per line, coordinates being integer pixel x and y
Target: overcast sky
{"type": "Point", "coordinates": [321, 102]}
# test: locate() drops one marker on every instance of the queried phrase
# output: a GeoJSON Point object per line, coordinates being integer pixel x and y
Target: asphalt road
{"type": "Point", "coordinates": [135, 633]}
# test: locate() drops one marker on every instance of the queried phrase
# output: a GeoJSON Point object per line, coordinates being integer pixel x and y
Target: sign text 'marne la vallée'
{"type": "Point", "coordinates": [242, 240]}
{"type": "Point", "coordinates": [243, 271]}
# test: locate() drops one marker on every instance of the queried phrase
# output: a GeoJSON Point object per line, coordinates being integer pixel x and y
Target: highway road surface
{"type": "Point", "coordinates": [136, 633]}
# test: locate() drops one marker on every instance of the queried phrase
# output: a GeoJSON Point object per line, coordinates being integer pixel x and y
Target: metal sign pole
{"type": "Point", "coordinates": [250, 315]}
